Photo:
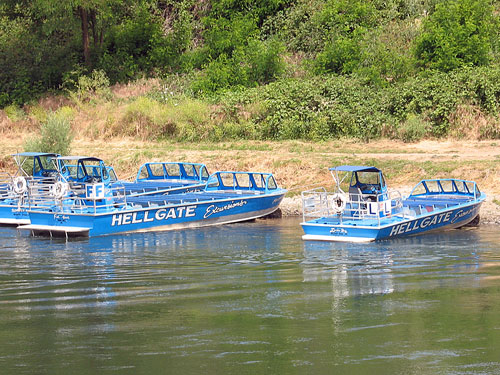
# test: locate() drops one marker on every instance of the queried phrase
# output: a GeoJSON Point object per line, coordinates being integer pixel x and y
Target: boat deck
{"type": "Point", "coordinates": [419, 206]}
{"type": "Point", "coordinates": [147, 186]}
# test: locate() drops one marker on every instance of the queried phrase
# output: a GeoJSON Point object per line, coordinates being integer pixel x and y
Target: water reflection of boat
{"type": "Point", "coordinates": [362, 209]}
{"type": "Point", "coordinates": [385, 266]}
{"type": "Point", "coordinates": [351, 269]}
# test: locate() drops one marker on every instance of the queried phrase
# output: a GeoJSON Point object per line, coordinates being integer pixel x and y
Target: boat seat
{"type": "Point", "coordinates": [355, 194]}
{"type": "Point", "coordinates": [436, 201]}
{"type": "Point", "coordinates": [409, 213]}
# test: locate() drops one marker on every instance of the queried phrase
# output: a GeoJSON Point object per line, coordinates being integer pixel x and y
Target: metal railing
{"type": "Point", "coordinates": [44, 196]}
{"type": "Point", "coordinates": [6, 188]}
{"type": "Point", "coordinates": [317, 203]}
{"type": "Point", "coordinates": [16, 189]}
{"type": "Point", "coordinates": [446, 186]}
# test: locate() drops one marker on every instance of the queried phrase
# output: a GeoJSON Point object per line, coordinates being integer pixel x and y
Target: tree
{"type": "Point", "coordinates": [90, 13]}
{"type": "Point", "coordinates": [458, 33]}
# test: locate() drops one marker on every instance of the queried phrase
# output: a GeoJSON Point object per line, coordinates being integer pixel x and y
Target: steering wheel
{"type": "Point", "coordinates": [49, 173]}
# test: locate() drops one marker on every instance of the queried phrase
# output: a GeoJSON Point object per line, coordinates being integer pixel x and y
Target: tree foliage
{"type": "Point", "coordinates": [224, 45]}
{"type": "Point", "coordinates": [457, 33]}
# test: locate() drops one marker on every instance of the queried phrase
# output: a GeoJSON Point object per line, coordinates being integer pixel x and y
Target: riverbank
{"type": "Point", "coordinates": [299, 165]}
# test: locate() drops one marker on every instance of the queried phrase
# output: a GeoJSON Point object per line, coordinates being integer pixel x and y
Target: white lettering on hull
{"type": "Point", "coordinates": [213, 209]}
{"type": "Point", "coordinates": [429, 221]}
{"type": "Point", "coordinates": [160, 215]}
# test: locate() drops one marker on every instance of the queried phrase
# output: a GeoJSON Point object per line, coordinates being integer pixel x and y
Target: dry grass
{"type": "Point", "coordinates": [299, 165]}
{"type": "Point", "coordinates": [121, 130]}
{"type": "Point", "coordinates": [469, 122]}
{"type": "Point", "coordinates": [134, 89]}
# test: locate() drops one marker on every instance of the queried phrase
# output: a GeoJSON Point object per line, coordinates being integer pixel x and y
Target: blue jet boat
{"type": "Point", "coordinates": [31, 166]}
{"type": "Point", "coordinates": [56, 174]}
{"type": "Point", "coordinates": [92, 208]}
{"type": "Point", "coordinates": [362, 209]}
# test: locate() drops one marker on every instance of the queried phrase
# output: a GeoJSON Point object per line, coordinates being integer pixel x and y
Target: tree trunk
{"type": "Point", "coordinates": [93, 24]}
{"type": "Point", "coordinates": [85, 36]}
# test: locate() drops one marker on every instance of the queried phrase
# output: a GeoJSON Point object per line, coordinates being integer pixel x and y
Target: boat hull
{"type": "Point", "coordinates": [169, 217]}
{"type": "Point", "coordinates": [10, 214]}
{"type": "Point", "coordinates": [328, 229]}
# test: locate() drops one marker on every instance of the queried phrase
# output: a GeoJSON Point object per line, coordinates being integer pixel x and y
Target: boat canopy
{"type": "Point", "coordinates": [82, 158]}
{"type": "Point", "coordinates": [354, 168]}
{"type": "Point", "coordinates": [33, 154]}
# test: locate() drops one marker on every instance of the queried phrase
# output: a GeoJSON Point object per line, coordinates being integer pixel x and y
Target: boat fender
{"type": "Point", "coordinates": [59, 189]}
{"type": "Point", "coordinates": [19, 184]}
{"type": "Point", "coordinates": [338, 203]}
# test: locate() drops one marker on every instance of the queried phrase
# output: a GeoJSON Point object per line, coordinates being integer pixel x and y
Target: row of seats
{"type": "Point", "coordinates": [178, 199]}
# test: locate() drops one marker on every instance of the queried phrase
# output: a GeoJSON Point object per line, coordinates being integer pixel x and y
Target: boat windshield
{"type": "Point", "coordinates": [368, 182]}
{"type": "Point", "coordinates": [112, 174]}
{"type": "Point", "coordinates": [86, 171]}
{"type": "Point", "coordinates": [41, 166]}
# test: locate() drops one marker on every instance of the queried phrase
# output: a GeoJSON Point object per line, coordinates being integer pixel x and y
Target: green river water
{"type": "Point", "coordinates": [250, 298]}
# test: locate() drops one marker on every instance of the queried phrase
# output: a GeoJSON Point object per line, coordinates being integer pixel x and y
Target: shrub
{"type": "Point", "coordinates": [87, 87]}
{"type": "Point", "coordinates": [335, 106]}
{"type": "Point", "coordinates": [346, 16]}
{"type": "Point", "coordinates": [14, 113]}
{"type": "Point", "coordinates": [342, 56]}
{"type": "Point", "coordinates": [296, 28]}
{"type": "Point", "coordinates": [413, 129]}
{"type": "Point", "coordinates": [55, 136]}
{"type": "Point", "coordinates": [263, 61]}
{"type": "Point", "coordinates": [223, 36]}
{"type": "Point", "coordinates": [219, 74]}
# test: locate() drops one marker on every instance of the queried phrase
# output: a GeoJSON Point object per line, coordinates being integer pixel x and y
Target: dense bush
{"type": "Point", "coordinates": [256, 63]}
{"type": "Point", "coordinates": [341, 56]}
{"type": "Point", "coordinates": [337, 106]}
{"type": "Point", "coordinates": [31, 61]}
{"type": "Point", "coordinates": [129, 47]}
